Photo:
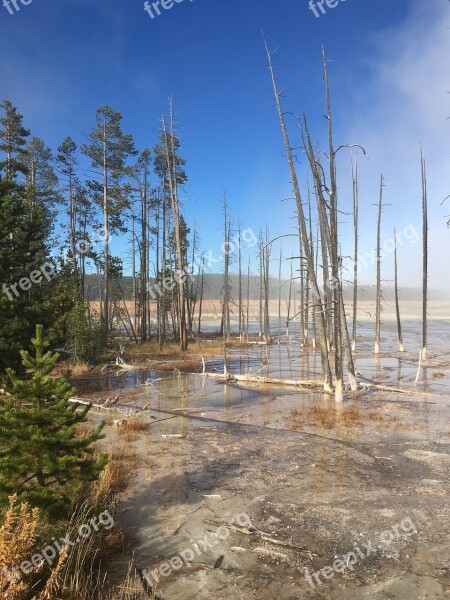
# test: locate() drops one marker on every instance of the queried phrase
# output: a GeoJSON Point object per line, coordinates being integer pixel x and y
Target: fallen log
{"type": "Point", "coordinates": [308, 383]}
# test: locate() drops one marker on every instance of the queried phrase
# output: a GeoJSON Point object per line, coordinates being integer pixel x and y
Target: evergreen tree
{"type": "Point", "coordinates": [41, 180]}
{"type": "Point", "coordinates": [109, 150]}
{"type": "Point", "coordinates": [12, 140]}
{"type": "Point", "coordinates": [44, 457]}
{"type": "Point", "coordinates": [68, 165]}
{"type": "Point", "coordinates": [25, 229]}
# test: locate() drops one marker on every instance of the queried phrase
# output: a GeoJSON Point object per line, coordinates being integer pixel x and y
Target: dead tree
{"type": "Point", "coordinates": [248, 297]}
{"type": "Point", "coordinates": [173, 186]}
{"type": "Point", "coordinates": [288, 318]}
{"type": "Point", "coordinates": [378, 293]}
{"type": "Point", "coordinates": [307, 294]}
{"type": "Point", "coordinates": [226, 326]}
{"type": "Point", "coordinates": [329, 232]}
{"type": "Point", "coordinates": [240, 305]}
{"type": "Point", "coordinates": [279, 294]}
{"type": "Point", "coordinates": [266, 263]}
{"type": "Point", "coordinates": [261, 283]}
{"type": "Point", "coordinates": [340, 328]}
{"type": "Point", "coordinates": [317, 300]}
{"type": "Point", "coordinates": [202, 285]}
{"type": "Point", "coordinates": [424, 255]}
{"type": "Point", "coordinates": [397, 305]}
{"type": "Point", "coordinates": [355, 255]}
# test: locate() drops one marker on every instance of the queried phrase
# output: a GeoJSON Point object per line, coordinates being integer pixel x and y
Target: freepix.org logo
{"type": "Point", "coordinates": [318, 8]}
{"type": "Point", "coordinates": [154, 8]}
{"type": "Point", "coordinates": [15, 5]}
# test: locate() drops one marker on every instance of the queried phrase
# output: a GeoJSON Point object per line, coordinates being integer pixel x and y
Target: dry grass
{"type": "Point", "coordinates": [198, 348]}
{"type": "Point", "coordinates": [75, 369]}
{"type": "Point", "coordinates": [131, 429]}
{"type": "Point", "coordinates": [135, 425]}
{"type": "Point", "coordinates": [330, 417]}
{"type": "Point", "coordinates": [113, 480]}
{"type": "Point", "coordinates": [18, 542]}
{"type": "Point", "coordinates": [438, 375]}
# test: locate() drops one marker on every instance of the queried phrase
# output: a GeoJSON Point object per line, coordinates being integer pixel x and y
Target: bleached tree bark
{"type": "Point", "coordinates": [378, 293]}
{"type": "Point", "coordinates": [266, 263]}
{"type": "Point", "coordinates": [261, 284]}
{"type": "Point", "coordinates": [202, 285]}
{"type": "Point", "coordinates": [279, 294]}
{"type": "Point", "coordinates": [326, 370]}
{"type": "Point", "coordinates": [341, 329]}
{"type": "Point", "coordinates": [133, 269]}
{"type": "Point", "coordinates": [288, 318]}
{"type": "Point", "coordinates": [328, 233]}
{"type": "Point", "coordinates": [240, 307]}
{"type": "Point", "coordinates": [355, 255]}
{"type": "Point", "coordinates": [173, 184]}
{"type": "Point", "coordinates": [424, 255]}
{"type": "Point", "coordinates": [225, 326]}
{"type": "Point", "coordinates": [397, 305]}
{"type": "Point", "coordinates": [248, 297]}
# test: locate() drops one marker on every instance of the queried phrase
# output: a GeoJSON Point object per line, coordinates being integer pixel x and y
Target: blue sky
{"type": "Point", "coordinates": [61, 60]}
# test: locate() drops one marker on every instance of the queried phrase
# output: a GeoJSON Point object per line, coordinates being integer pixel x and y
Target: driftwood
{"type": "Point", "coordinates": [262, 535]}
{"type": "Point", "coordinates": [308, 383]}
{"type": "Point", "coordinates": [396, 390]}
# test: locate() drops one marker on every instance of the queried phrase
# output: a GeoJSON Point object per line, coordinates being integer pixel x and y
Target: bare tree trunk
{"type": "Point", "coordinates": [240, 307]}
{"type": "Point", "coordinates": [311, 245]}
{"type": "Point", "coordinates": [266, 289]}
{"type": "Point", "coordinates": [200, 306]}
{"type": "Point", "coordinates": [288, 318]}
{"type": "Point", "coordinates": [355, 259]}
{"type": "Point", "coordinates": [158, 297]}
{"type": "Point", "coordinates": [342, 339]}
{"type": "Point", "coordinates": [397, 306]}
{"type": "Point", "coordinates": [326, 370]}
{"type": "Point", "coordinates": [279, 295]}
{"type": "Point", "coordinates": [248, 297]}
{"type": "Point", "coordinates": [302, 303]}
{"type": "Point", "coordinates": [173, 183]}
{"type": "Point", "coordinates": [226, 278]}
{"type": "Point", "coordinates": [424, 255]}
{"type": "Point", "coordinates": [378, 296]}
{"type": "Point", "coordinates": [163, 296]}
{"type": "Point", "coordinates": [133, 271]}
{"type": "Point", "coordinates": [72, 225]}
{"type": "Point", "coordinates": [192, 291]}
{"type": "Point", "coordinates": [261, 276]}
{"type": "Point", "coordinates": [325, 271]}
{"type": "Point", "coordinates": [105, 312]}
{"type": "Point", "coordinates": [144, 266]}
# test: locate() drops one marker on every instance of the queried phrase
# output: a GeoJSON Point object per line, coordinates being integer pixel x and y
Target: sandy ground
{"type": "Point", "coordinates": [364, 487]}
{"type": "Point", "coordinates": [410, 310]}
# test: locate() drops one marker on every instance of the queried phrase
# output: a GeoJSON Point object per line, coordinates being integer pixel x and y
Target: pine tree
{"type": "Point", "coordinates": [24, 240]}
{"type": "Point", "coordinates": [68, 165]}
{"type": "Point", "coordinates": [12, 139]}
{"type": "Point", "coordinates": [41, 180]}
{"type": "Point", "coordinates": [43, 456]}
{"type": "Point", "coordinates": [109, 150]}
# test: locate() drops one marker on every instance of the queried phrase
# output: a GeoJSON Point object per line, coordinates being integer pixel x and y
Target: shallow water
{"type": "Point", "coordinates": [286, 359]}
{"type": "Point", "coordinates": [320, 479]}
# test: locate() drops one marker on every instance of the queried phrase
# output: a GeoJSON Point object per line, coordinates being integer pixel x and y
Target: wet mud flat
{"type": "Point", "coordinates": [248, 492]}
{"type": "Point", "coordinates": [316, 496]}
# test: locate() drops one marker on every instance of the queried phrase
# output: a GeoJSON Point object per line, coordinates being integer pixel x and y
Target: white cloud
{"type": "Point", "coordinates": [402, 102]}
